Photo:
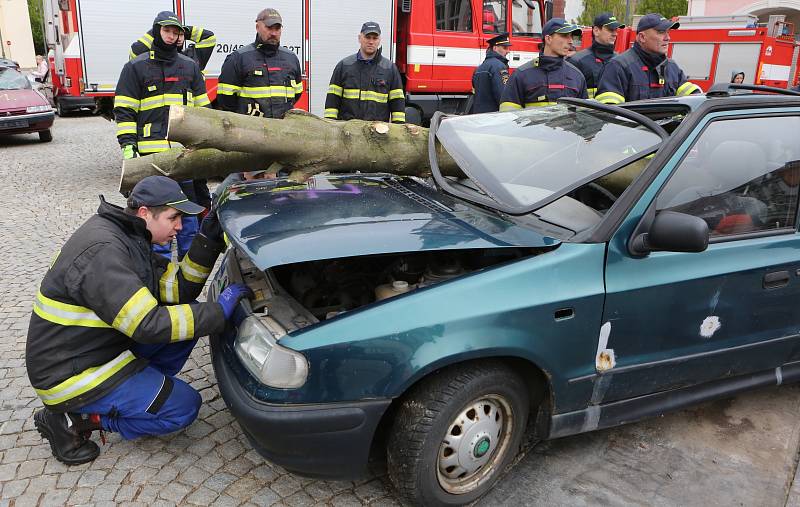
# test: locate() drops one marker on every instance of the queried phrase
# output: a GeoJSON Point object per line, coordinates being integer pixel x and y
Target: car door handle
{"type": "Point", "coordinates": [441, 53]}
{"type": "Point", "coordinates": [776, 279]}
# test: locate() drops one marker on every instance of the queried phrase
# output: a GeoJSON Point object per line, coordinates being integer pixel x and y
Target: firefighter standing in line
{"type": "Point", "coordinates": [262, 78]}
{"type": "Point", "coordinates": [147, 86]}
{"type": "Point", "coordinates": [549, 77]}
{"type": "Point", "coordinates": [204, 42]}
{"type": "Point", "coordinates": [491, 76]}
{"type": "Point", "coordinates": [113, 323]}
{"type": "Point", "coordinates": [592, 60]}
{"type": "Point", "coordinates": [197, 190]}
{"type": "Point", "coordinates": [644, 71]}
{"type": "Point", "coordinates": [366, 86]}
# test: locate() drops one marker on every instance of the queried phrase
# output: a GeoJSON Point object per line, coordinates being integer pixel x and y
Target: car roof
{"type": "Point", "coordinates": [5, 62]}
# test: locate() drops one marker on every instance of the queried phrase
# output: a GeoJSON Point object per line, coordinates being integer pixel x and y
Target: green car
{"type": "Point", "coordinates": [592, 266]}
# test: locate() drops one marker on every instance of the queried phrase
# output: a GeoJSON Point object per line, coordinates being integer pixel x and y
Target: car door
{"type": "Point", "coordinates": [679, 319]}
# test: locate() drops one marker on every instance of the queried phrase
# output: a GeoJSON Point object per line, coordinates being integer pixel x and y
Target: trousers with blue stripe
{"type": "Point", "coordinates": [153, 401]}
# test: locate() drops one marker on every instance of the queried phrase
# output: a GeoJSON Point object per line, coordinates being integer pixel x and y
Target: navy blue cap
{"type": "Point", "coordinates": [560, 25]}
{"type": "Point", "coordinates": [168, 18]}
{"type": "Point", "coordinates": [657, 21]}
{"type": "Point", "coordinates": [499, 40]}
{"type": "Point", "coordinates": [155, 191]}
{"type": "Point", "coordinates": [371, 27]}
{"type": "Point", "coordinates": [607, 19]}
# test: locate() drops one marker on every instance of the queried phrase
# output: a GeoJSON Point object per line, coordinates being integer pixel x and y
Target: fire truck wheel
{"type": "Point", "coordinates": [60, 111]}
{"type": "Point", "coordinates": [456, 433]}
{"type": "Point", "coordinates": [45, 136]}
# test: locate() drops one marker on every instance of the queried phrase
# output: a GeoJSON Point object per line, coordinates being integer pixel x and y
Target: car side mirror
{"type": "Point", "coordinates": [672, 231]}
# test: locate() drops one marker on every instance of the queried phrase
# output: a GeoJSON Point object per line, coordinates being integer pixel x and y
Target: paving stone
{"type": "Point", "coordinates": [13, 489]}
{"type": "Point", "coordinates": [319, 491]}
{"type": "Point", "coordinates": [238, 466]}
{"type": "Point", "coordinates": [225, 501]}
{"type": "Point", "coordinates": [265, 473]}
{"type": "Point", "coordinates": [202, 496]}
{"type": "Point", "coordinates": [244, 488]}
{"type": "Point", "coordinates": [219, 481]}
{"type": "Point", "coordinates": [165, 475]}
{"type": "Point", "coordinates": [194, 476]}
{"type": "Point", "coordinates": [12, 427]}
{"type": "Point", "coordinates": [55, 498]}
{"type": "Point", "coordinates": [80, 496]}
{"type": "Point", "coordinates": [27, 500]}
{"type": "Point", "coordinates": [126, 493]}
{"type": "Point", "coordinates": [286, 486]}
{"type": "Point", "coordinates": [92, 478]}
{"type": "Point", "coordinates": [16, 455]}
{"type": "Point", "coordinates": [142, 475]}
{"type": "Point", "coordinates": [299, 499]}
{"type": "Point", "coordinates": [371, 491]}
{"type": "Point", "coordinates": [175, 492]}
{"type": "Point", "coordinates": [8, 472]}
{"type": "Point", "coordinates": [148, 494]}
{"type": "Point", "coordinates": [265, 497]}
{"type": "Point", "coordinates": [42, 484]}
{"type": "Point", "coordinates": [345, 500]}
{"type": "Point", "coordinates": [105, 492]}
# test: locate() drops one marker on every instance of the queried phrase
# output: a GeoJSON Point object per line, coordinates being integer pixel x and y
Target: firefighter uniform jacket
{"type": "Point", "coordinates": [592, 62]}
{"type": "Point", "coordinates": [146, 88]}
{"type": "Point", "coordinates": [366, 90]}
{"type": "Point", "coordinates": [488, 82]}
{"type": "Point", "coordinates": [104, 291]}
{"type": "Point", "coordinates": [541, 82]}
{"type": "Point", "coordinates": [204, 42]}
{"type": "Point", "coordinates": [637, 74]}
{"type": "Point", "coordinates": [260, 80]}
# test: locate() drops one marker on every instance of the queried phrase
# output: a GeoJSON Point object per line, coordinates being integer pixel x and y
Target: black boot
{"type": "Point", "coordinates": [67, 436]}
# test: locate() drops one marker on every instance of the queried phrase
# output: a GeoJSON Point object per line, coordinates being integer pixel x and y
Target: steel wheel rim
{"type": "Point", "coordinates": [475, 444]}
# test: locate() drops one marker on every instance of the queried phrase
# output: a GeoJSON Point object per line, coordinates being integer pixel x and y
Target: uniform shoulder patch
{"type": "Point", "coordinates": [504, 75]}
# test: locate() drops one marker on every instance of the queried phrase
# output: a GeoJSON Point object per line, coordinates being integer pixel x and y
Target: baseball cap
{"type": "Point", "coordinates": [499, 40]}
{"type": "Point", "coordinates": [270, 17]}
{"type": "Point", "coordinates": [168, 18]}
{"type": "Point", "coordinates": [607, 19]}
{"type": "Point", "coordinates": [559, 25]}
{"type": "Point", "coordinates": [657, 21]}
{"type": "Point", "coordinates": [371, 27]}
{"type": "Point", "coordinates": [162, 191]}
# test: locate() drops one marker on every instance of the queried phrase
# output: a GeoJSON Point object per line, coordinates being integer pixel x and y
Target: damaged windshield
{"type": "Point", "coordinates": [526, 157]}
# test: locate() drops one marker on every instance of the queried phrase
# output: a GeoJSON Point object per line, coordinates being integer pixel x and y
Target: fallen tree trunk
{"type": "Point", "coordinates": [183, 164]}
{"type": "Point", "coordinates": [306, 144]}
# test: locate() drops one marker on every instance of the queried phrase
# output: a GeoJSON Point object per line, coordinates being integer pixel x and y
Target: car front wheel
{"type": "Point", "coordinates": [45, 136]}
{"type": "Point", "coordinates": [456, 432]}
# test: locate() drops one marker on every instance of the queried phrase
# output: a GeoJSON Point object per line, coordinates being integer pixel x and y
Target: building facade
{"type": "Point", "coordinates": [761, 8]}
{"type": "Point", "coordinates": [15, 33]}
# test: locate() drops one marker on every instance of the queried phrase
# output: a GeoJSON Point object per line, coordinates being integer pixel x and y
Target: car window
{"type": "Point", "coordinates": [494, 16]}
{"type": "Point", "coordinates": [740, 176]}
{"type": "Point", "coordinates": [525, 19]}
{"type": "Point", "coordinates": [454, 15]}
{"type": "Point", "coordinates": [11, 79]}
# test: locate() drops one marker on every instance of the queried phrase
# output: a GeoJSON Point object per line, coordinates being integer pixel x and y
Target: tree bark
{"type": "Point", "coordinates": [184, 164]}
{"type": "Point", "coordinates": [306, 144]}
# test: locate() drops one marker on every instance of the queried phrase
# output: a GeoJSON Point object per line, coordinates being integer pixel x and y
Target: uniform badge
{"type": "Point", "coordinates": [258, 72]}
{"type": "Point", "coordinates": [504, 76]}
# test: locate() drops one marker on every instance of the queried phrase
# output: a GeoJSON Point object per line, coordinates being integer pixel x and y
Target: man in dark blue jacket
{"type": "Point", "coordinates": [549, 77]}
{"type": "Point", "coordinates": [491, 76]}
{"type": "Point", "coordinates": [644, 71]}
{"type": "Point", "coordinates": [592, 60]}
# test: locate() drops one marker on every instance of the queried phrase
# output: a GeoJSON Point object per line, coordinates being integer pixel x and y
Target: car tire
{"type": "Point", "coordinates": [456, 433]}
{"type": "Point", "coordinates": [60, 111]}
{"type": "Point", "coordinates": [45, 136]}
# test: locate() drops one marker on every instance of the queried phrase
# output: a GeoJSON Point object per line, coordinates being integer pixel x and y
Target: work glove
{"type": "Point", "coordinates": [231, 296]}
{"type": "Point", "coordinates": [129, 152]}
{"type": "Point", "coordinates": [210, 227]}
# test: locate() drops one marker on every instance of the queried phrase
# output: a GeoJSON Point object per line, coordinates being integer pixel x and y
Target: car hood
{"type": "Point", "coordinates": [279, 222]}
{"type": "Point", "coordinates": [12, 100]}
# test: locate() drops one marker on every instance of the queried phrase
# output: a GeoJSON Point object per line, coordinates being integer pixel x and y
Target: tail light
{"type": "Point", "coordinates": [68, 82]}
{"type": "Point", "coordinates": [81, 86]}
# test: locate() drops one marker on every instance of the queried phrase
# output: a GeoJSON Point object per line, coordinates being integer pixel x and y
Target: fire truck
{"type": "Point", "coordinates": [709, 48]}
{"type": "Point", "coordinates": [436, 44]}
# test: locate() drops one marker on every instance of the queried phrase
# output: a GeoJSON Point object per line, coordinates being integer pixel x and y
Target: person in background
{"type": "Point", "coordinates": [593, 60]}
{"type": "Point", "coordinates": [42, 69]}
{"type": "Point", "coordinates": [491, 76]}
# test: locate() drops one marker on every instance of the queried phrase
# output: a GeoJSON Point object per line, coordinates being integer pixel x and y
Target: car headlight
{"type": "Point", "coordinates": [38, 109]}
{"type": "Point", "coordinates": [256, 345]}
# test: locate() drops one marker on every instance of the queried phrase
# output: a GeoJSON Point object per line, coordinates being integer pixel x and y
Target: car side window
{"type": "Point", "coordinates": [454, 15]}
{"type": "Point", "coordinates": [494, 16]}
{"type": "Point", "coordinates": [740, 176]}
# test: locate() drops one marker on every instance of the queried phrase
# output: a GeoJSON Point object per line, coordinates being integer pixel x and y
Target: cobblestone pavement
{"type": "Point", "coordinates": [734, 452]}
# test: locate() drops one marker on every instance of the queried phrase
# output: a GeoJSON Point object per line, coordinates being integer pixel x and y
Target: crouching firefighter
{"type": "Point", "coordinates": [113, 323]}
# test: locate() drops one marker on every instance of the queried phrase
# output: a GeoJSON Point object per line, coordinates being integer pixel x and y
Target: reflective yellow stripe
{"type": "Point", "coordinates": [351, 93]}
{"type": "Point", "coordinates": [610, 98]}
{"type": "Point", "coordinates": [335, 90]}
{"type": "Point", "coordinates": [332, 113]}
{"type": "Point", "coordinates": [146, 129]}
{"type": "Point", "coordinates": [153, 146]}
{"type": "Point", "coordinates": [131, 54]}
{"type": "Point", "coordinates": [207, 43]}
{"type": "Point", "coordinates": [539, 104]}
{"type": "Point", "coordinates": [85, 381]}
{"type": "Point", "coordinates": [262, 92]}
{"type": "Point", "coordinates": [168, 284]}
{"type": "Point", "coordinates": [182, 321]}
{"type": "Point", "coordinates": [509, 106]}
{"type": "Point", "coordinates": [201, 100]}
{"type": "Point", "coordinates": [196, 32]}
{"type": "Point", "coordinates": [128, 102]}
{"type": "Point", "coordinates": [591, 92]}
{"type": "Point", "coordinates": [65, 314]}
{"type": "Point", "coordinates": [156, 101]}
{"type": "Point", "coordinates": [126, 127]}
{"type": "Point", "coordinates": [193, 271]}
{"type": "Point", "coordinates": [687, 88]}
{"type": "Point", "coordinates": [147, 40]}
{"type": "Point", "coordinates": [132, 313]}
{"type": "Point", "coordinates": [396, 94]}
{"type": "Point", "coordinates": [399, 117]}
{"type": "Point", "coordinates": [228, 89]}
{"type": "Point", "coordinates": [369, 95]}
{"type": "Point", "coordinates": [297, 87]}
